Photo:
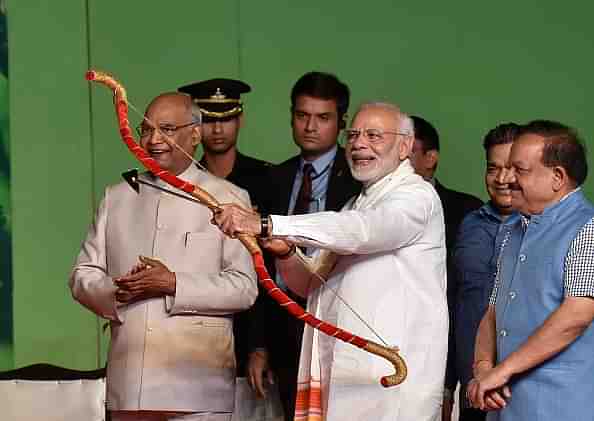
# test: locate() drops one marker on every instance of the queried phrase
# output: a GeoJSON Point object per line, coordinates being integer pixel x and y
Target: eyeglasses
{"type": "Point", "coordinates": [168, 130]}
{"type": "Point", "coordinates": [372, 135]}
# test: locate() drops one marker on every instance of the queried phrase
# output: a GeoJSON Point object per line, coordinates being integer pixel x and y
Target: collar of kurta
{"type": "Point", "coordinates": [191, 174]}
{"type": "Point", "coordinates": [488, 210]}
{"type": "Point", "coordinates": [404, 170]}
{"type": "Point", "coordinates": [375, 191]}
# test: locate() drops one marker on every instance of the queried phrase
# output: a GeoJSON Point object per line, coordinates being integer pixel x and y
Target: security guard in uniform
{"type": "Point", "coordinates": [220, 102]}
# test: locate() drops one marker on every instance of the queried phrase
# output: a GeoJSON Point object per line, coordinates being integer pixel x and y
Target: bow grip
{"type": "Point", "coordinates": [250, 243]}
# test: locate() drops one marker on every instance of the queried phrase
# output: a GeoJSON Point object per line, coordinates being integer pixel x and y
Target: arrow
{"type": "Point", "coordinates": [132, 179]}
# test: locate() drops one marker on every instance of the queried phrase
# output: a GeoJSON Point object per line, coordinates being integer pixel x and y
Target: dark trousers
{"type": "Point", "coordinates": [287, 388]}
{"type": "Point", "coordinates": [285, 353]}
{"type": "Point", "coordinates": [471, 414]}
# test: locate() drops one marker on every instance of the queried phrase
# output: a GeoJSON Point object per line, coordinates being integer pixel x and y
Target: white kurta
{"type": "Point", "coordinates": [391, 269]}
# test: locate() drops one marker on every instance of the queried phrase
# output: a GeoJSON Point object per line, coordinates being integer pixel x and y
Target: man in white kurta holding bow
{"type": "Point", "coordinates": [384, 255]}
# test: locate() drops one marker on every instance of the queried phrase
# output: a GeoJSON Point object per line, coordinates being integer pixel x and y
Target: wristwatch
{"type": "Point", "coordinates": [265, 226]}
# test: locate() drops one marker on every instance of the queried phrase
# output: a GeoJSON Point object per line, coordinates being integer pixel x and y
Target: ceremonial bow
{"type": "Point", "coordinates": [121, 107]}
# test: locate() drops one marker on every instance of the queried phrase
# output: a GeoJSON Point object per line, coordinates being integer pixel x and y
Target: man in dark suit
{"type": "Point", "coordinates": [219, 101]}
{"type": "Point", "coordinates": [315, 180]}
{"type": "Point", "coordinates": [424, 158]}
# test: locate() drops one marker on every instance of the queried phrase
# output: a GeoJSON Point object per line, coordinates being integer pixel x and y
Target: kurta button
{"type": "Point", "coordinates": [522, 257]}
{"type": "Point", "coordinates": [150, 329]}
{"type": "Point", "coordinates": [503, 332]}
{"type": "Point", "coordinates": [512, 294]}
{"type": "Point", "coordinates": [160, 226]}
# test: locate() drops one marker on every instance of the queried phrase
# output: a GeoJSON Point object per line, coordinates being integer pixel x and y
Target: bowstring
{"type": "Point", "coordinates": [171, 142]}
{"type": "Point", "coordinates": [325, 285]}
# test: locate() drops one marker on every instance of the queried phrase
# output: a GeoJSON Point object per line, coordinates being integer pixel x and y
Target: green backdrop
{"type": "Point", "coordinates": [5, 234]}
{"type": "Point", "coordinates": [466, 66]}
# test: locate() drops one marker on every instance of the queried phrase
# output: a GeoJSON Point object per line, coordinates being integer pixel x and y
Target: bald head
{"type": "Point", "coordinates": [176, 101]}
{"type": "Point", "coordinates": [170, 121]}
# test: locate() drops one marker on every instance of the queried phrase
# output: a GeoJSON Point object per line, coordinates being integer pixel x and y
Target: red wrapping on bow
{"type": "Point", "coordinates": [121, 106]}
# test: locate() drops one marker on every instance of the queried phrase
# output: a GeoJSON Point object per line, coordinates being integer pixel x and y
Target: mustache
{"type": "Point", "coordinates": [514, 186]}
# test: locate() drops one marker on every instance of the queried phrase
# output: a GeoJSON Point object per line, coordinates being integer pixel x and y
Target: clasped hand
{"type": "Point", "coordinates": [149, 278]}
{"type": "Point", "coordinates": [489, 390]}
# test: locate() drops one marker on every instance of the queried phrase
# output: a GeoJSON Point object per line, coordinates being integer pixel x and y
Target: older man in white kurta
{"type": "Point", "coordinates": [387, 262]}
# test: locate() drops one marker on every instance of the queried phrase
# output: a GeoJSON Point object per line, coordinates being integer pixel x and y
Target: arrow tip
{"type": "Point", "coordinates": [131, 178]}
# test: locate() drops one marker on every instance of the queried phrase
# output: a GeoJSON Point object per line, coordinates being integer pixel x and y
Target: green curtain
{"type": "Point", "coordinates": [5, 234]}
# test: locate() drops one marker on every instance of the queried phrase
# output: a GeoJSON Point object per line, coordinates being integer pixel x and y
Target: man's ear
{"type": "Point", "coordinates": [342, 122]}
{"type": "Point", "coordinates": [432, 157]}
{"type": "Point", "coordinates": [196, 135]}
{"type": "Point", "coordinates": [560, 179]}
{"type": "Point", "coordinates": [240, 120]}
{"type": "Point", "coordinates": [405, 148]}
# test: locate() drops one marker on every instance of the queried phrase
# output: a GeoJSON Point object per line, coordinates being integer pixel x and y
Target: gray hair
{"type": "Point", "coordinates": [403, 121]}
{"type": "Point", "coordinates": [196, 114]}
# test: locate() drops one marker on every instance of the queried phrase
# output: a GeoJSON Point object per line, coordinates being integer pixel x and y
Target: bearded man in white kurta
{"type": "Point", "coordinates": [384, 255]}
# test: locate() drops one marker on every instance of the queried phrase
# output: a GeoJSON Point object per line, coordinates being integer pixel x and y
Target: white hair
{"type": "Point", "coordinates": [196, 114]}
{"type": "Point", "coordinates": [403, 121]}
{"type": "Point", "coordinates": [407, 125]}
{"type": "Point", "coordinates": [191, 106]}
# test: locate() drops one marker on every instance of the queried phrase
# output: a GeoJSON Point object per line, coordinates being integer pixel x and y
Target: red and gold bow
{"type": "Point", "coordinates": [121, 106]}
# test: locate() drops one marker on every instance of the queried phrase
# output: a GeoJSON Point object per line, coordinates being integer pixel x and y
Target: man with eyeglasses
{"type": "Point", "coordinates": [171, 353]}
{"type": "Point", "coordinates": [315, 180]}
{"type": "Point", "coordinates": [384, 256]}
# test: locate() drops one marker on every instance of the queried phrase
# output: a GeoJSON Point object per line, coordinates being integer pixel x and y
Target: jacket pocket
{"type": "Point", "coordinates": [202, 252]}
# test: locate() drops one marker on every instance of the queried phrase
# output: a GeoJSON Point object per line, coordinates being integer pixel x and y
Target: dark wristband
{"type": "Point", "coordinates": [264, 226]}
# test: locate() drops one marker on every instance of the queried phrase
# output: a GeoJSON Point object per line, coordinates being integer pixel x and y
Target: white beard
{"type": "Point", "coordinates": [374, 172]}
